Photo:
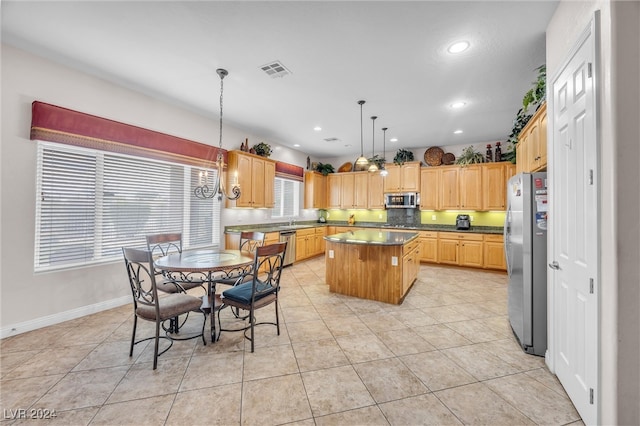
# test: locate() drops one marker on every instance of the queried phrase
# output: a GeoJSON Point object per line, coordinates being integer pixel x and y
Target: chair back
{"type": "Point", "coordinates": [250, 241]}
{"type": "Point", "coordinates": [142, 280]}
{"type": "Point", "coordinates": [269, 260]}
{"type": "Point", "coordinates": [164, 244]}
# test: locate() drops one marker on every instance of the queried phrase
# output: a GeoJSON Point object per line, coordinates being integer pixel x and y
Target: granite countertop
{"type": "Point", "coordinates": [277, 227]}
{"type": "Point", "coordinates": [385, 238]}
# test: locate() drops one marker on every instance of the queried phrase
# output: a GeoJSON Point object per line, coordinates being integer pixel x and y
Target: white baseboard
{"type": "Point", "coordinates": [34, 324]}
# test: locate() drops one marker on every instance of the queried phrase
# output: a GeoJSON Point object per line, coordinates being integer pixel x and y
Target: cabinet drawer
{"type": "Point", "coordinates": [305, 232]}
{"type": "Point", "coordinates": [429, 234]}
{"type": "Point", "coordinates": [460, 236]}
{"type": "Point", "coordinates": [410, 247]}
{"type": "Point", "coordinates": [271, 237]}
{"type": "Point", "coordinates": [321, 230]}
{"type": "Point", "coordinates": [497, 238]}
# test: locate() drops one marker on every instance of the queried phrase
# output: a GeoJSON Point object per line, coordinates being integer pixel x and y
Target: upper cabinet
{"type": "Point", "coordinates": [531, 151]}
{"type": "Point", "coordinates": [376, 191]}
{"type": "Point", "coordinates": [405, 178]}
{"type": "Point", "coordinates": [354, 190]}
{"type": "Point", "coordinates": [315, 190]}
{"type": "Point", "coordinates": [494, 178]}
{"type": "Point", "coordinates": [473, 187]}
{"type": "Point", "coordinates": [256, 177]}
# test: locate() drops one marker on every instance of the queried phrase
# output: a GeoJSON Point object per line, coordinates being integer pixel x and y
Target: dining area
{"type": "Point", "coordinates": [169, 284]}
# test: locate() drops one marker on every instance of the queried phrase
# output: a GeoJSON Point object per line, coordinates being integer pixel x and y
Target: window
{"type": "Point", "coordinates": [92, 203]}
{"type": "Point", "coordinates": [286, 194]}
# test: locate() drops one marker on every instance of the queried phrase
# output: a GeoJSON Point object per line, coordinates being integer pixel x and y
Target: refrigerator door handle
{"type": "Point", "coordinates": [505, 235]}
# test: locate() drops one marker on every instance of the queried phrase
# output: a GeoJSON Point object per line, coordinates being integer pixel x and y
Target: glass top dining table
{"type": "Point", "coordinates": [206, 266]}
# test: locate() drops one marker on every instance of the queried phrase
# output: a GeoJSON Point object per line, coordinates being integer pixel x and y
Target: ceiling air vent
{"type": "Point", "coordinates": [331, 140]}
{"type": "Point", "coordinates": [275, 69]}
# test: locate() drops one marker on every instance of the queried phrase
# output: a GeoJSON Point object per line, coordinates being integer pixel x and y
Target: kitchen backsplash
{"type": "Point", "coordinates": [415, 216]}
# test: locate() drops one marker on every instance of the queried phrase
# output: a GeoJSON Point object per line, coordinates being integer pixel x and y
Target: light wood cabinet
{"type": "Point", "coordinates": [315, 190]}
{"type": "Point", "coordinates": [449, 192]}
{"type": "Point", "coordinates": [256, 177]}
{"type": "Point", "coordinates": [470, 187]}
{"type": "Point", "coordinates": [376, 191]}
{"type": "Point", "coordinates": [494, 185]}
{"type": "Point", "coordinates": [410, 264]}
{"type": "Point", "coordinates": [494, 256]}
{"type": "Point", "coordinates": [464, 249]}
{"type": "Point", "coordinates": [405, 178]}
{"type": "Point", "coordinates": [429, 188]}
{"type": "Point", "coordinates": [347, 193]}
{"type": "Point", "coordinates": [334, 184]}
{"type": "Point", "coordinates": [531, 150]}
{"type": "Point", "coordinates": [310, 242]}
{"type": "Point", "coordinates": [428, 246]}
{"type": "Point", "coordinates": [360, 190]}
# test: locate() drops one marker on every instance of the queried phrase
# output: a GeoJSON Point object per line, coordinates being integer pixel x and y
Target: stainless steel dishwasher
{"type": "Point", "coordinates": [290, 238]}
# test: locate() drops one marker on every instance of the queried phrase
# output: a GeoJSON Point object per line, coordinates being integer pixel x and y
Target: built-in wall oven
{"type": "Point", "coordinates": [290, 238]}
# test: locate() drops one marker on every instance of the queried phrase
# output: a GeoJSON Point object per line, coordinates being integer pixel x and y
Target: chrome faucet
{"type": "Point", "coordinates": [291, 221]}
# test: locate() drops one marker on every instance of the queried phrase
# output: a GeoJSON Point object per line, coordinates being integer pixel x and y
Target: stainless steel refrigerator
{"type": "Point", "coordinates": [525, 243]}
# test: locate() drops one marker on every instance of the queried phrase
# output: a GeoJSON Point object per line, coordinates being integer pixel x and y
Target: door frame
{"type": "Point", "coordinates": [591, 30]}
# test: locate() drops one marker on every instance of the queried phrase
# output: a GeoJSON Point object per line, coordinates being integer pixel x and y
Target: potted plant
{"type": "Point", "coordinates": [470, 156]}
{"type": "Point", "coordinates": [325, 169]}
{"type": "Point", "coordinates": [402, 156]}
{"type": "Point", "coordinates": [262, 149]}
{"type": "Point", "coordinates": [377, 160]}
{"type": "Point", "coordinates": [534, 97]}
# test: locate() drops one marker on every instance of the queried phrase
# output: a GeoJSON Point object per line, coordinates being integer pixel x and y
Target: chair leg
{"type": "Point", "coordinates": [204, 321]}
{"type": "Point", "coordinates": [277, 317]}
{"type": "Point", "coordinates": [133, 334]}
{"type": "Point", "coordinates": [252, 319]}
{"type": "Point", "coordinates": [155, 351]}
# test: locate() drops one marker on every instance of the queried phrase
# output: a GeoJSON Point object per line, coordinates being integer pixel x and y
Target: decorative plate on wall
{"type": "Point", "coordinates": [448, 159]}
{"type": "Point", "coordinates": [433, 156]}
{"type": "Point", "coordinates": [346, 167]}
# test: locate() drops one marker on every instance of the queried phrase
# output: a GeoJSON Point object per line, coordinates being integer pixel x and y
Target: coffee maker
{"type": "Point", "coordinates": [463, 221]}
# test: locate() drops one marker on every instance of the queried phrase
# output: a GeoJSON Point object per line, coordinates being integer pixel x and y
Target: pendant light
{"type": "Point", "coordinates": [373, 167]}
{"type": "Point", "coordinates": [383, 171]}
{"type": "Point", "coordinates": [203, 191]}
{"type": "Point", "coordinates": [362, 160]}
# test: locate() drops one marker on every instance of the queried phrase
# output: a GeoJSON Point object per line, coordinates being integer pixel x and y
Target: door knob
{"type": "Point", "coordinates": [554, 265]}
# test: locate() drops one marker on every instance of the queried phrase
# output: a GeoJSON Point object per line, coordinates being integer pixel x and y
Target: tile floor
{"type": "Point", "coordinates": [445, 356]}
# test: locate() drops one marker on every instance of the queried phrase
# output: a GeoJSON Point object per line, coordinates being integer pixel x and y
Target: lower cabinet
{"type": "Point", "coordinates": [410, 264]}
{"type": "Point", "coordinates": [428, 246]}
{"type": "Point", "coordinates": [310, 242]}
{"type": "Point", "coordinates": [494, 257]}
{"type": "Point", "coordinates": [463, 249]}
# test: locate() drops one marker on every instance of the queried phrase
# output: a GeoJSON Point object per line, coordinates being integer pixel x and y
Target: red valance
{"type": "Point", "coordinates": [289, 171]}
{"type": "Point", "coordinates": [56, 124]}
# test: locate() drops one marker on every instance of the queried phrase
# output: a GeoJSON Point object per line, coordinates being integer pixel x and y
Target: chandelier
{"type": "Point", "coordinates": [203, 191]}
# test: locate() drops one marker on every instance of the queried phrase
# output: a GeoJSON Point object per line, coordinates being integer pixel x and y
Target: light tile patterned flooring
{"type": "Point", "coordinates": [445, 356]}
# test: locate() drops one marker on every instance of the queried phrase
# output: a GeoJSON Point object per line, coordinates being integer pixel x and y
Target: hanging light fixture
{"type": "Point", "coordinates": [373, 167]}
{"type": "Point", "coordinates": [203, 191]}
{"type": "Point", "coordinates": [383, 171]}
{"type": "Point", "coordinates": [362, 160]}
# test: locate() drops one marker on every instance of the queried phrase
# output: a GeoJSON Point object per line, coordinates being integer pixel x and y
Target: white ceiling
{"type": "Point", "coordinates": [390, 53]}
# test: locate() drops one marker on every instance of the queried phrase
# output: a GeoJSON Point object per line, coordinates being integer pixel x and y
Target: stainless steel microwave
{"type": "Point", "coordinates": [406, 200]}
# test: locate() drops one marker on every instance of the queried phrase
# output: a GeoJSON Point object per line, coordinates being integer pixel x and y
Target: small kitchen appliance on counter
{"type": "Point", "coordinates": [463, 221]}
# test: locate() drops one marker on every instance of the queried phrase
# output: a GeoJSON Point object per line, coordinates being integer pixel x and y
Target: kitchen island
{"type": "Point", "coordinates": [376, 265]}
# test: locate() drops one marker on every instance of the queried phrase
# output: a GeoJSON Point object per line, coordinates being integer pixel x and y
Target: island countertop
{"type": "Point", "coordinates": [378, 237]}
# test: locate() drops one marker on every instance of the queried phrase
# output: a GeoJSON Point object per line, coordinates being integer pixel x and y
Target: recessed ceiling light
{"type": "Point", "coordinates": [457, 132]}
{"type": "Point", "coordinates": [458, 47]}
{"type": "Point", "coordinates": [458, 104]}
{"type": "Point", "coordinates": [393, 140]}
{"type": "Point", "coordinates": [297, 145]}
{"type": "Point", "coordinates": [317, 128]}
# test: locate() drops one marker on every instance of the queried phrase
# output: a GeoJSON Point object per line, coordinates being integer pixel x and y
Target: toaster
{"type": "Point", "coordinates": [463, 221]}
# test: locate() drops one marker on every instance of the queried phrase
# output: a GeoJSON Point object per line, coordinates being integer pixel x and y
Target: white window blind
{"type": "Point", "coordinates": [287, 198]}
{"type": "Point", "coordinates": [92, 203]}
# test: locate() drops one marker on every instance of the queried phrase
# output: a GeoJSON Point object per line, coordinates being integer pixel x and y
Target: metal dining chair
{"type": "Point", "coordinates": [149, 307]}
{"type": "Point", "coordinates": [259, 291]}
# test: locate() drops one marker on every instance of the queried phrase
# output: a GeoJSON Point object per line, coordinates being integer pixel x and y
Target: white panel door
{"type": "Point", "coordinates": [574, 224]}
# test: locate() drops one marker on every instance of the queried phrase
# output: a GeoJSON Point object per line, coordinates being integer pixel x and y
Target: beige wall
{"type": "Point", "coordinates": [29, 300]}
{"type": "Point", "coordinates": [619, 204]}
